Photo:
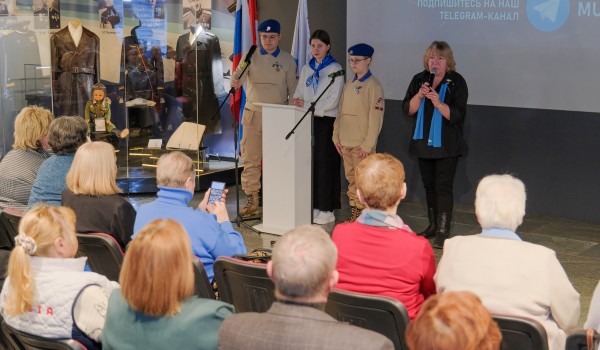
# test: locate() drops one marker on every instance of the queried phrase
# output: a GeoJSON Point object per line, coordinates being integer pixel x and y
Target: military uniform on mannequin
{"type": "Point", "coordinates": [201, 78]}
{"type": "Point", "coordinates": [271, 79]}
{"type": "Point", "coordinates": [75, 56]}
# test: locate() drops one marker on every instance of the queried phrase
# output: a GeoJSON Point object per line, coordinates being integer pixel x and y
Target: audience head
{"type": "Point", "coordinates": [157, 272]}
{"type": "Point", "coordinates": [44, 231]}
{"type": "Point", "coordinates": [453, 320]}
{"type": "Point", "coordinates": [67, 133]}
{"type": "Point", "coordinates": [94, 170]}
{"type": "Point", "coordinates": [31, 128]}
{"type": "Point", "coordinates": [303, 265]}
{"type": "Point", "coordinates": [380, 182]}
{"type": "Point", "coordinates": [175, 169]}
{"type": "Point", "coordinates": [442, 49]}
{"type": "Point", "coordinates": [500, 202]}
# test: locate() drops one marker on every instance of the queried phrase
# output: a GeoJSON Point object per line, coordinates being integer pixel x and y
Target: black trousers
{"type": "Point", "coordinates": [326, 167]}
{"type": "Point", "coordinates": [438, 178]}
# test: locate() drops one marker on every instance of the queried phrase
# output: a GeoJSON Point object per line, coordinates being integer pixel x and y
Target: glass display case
{"type": "Point", "coordinates": [148, 75]}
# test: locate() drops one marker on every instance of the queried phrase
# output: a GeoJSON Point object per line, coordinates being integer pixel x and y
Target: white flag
{"type": "Point", "coordinates": [301, 45]}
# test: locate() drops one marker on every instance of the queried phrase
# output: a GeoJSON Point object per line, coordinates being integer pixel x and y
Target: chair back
{"type": "Point", "coordinates": [24, 341]}
{"type": "Point", "coordinates": [9, 227]}
{"type": "Point", "coordinates": [380, 314]}
{"type": "Point", "coordinates": [104, 254]}
{"type": "Point", "coordinates": [202, 285]}
{"type": "Point", "coordinates": [582, 339]}
{"type": "Point", "coordinates": [244, 284]}
{"type": "Point", "coordinates": [521, 333]}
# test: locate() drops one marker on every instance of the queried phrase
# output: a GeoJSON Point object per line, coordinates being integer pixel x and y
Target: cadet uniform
{"type": "Point", "coordinates": [359, 122]}
{"type": "Point", "coordinates": [271, 79]}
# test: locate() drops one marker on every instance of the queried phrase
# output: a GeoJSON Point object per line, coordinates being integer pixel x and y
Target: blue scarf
{"type": "Point", "coordinates": [314, 78]}
{"type": "Point", "coordinates": [379, 218]}
{"type": "Point", "coordinates": [435, 130]}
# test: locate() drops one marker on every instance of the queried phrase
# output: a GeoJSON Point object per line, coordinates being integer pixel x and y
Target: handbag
{"type": "Point", "coordinates": [261, 256]}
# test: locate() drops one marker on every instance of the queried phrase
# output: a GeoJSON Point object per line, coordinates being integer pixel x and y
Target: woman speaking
{"type": "Point", "coordinates": [438, 98]}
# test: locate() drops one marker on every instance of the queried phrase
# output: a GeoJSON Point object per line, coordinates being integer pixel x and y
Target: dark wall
{"type": "Point", "coordinates": [555, 153]}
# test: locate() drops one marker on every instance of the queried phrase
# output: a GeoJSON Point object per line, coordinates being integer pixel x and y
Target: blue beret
{"type": "Point", "coordinates": [361, 50]}
{"type": "Point", "coordinates": [269, 26]}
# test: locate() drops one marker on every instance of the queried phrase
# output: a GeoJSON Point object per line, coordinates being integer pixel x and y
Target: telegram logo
{"type": "Point", "coordinates": [548, 15]}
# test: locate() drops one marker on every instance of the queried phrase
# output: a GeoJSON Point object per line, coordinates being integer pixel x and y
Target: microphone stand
{"type": "Point", "coordinates": [311, 109]}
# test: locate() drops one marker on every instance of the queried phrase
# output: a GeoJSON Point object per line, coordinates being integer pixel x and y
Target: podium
{"type": "Point", "coordinates": [287, 171]}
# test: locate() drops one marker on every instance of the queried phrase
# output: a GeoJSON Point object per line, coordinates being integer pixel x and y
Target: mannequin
{"type": "Point", "coordinates": [201, 77]}
{"type": "Point", "coordinates": [75, 57]}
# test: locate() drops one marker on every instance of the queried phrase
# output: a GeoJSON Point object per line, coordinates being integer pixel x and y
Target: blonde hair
{"type": "Point", "coordinates": [31, 125]}
{"type": "Point", "coordinates": [157, 272]}
{"type": "Point", "coordinates": [380, 180]}
{"type": "Point", "coordinates": [443, 49]}
{"type": "Point", "coordinates": [500, 202]}
{"type": "Point", "coordinates": [94, 170]}
{"type": "Point", "coordinates": [44, 224]}
{"type": "Point", "coordinates": [303, 260]}
{"type": "Point", "coordinates": [453, 320]}
{"type": "Point", "coordinates": [173, 169]}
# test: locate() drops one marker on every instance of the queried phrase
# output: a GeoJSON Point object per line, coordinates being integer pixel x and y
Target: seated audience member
{"type": "Point", "coordinates": [303, 271]}
{"type": "Point", "coordinates": [65, 135]}
{"type": "Point", "coordinates": [19, 167]}
{"type": "Point", "coordinates": [156, 307]}
{"type": "Point", "coordinates": [453, 320]}
{"type": "Point", "coordinates": [511, 277]}
{"type": "Point", "coordinates": [378, 253]}
{"type": "Point", "coordinates": [208, 226]}
{"type": "Point", "coordinates": [92, 192]}
{"type": "Point", "coordinates": [593, 317]}
{"type": "Point", "coordinates": [45, 279]}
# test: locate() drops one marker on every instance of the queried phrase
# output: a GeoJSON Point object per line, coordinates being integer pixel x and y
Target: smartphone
{"type": "Point", "coordinates": [216, 191]}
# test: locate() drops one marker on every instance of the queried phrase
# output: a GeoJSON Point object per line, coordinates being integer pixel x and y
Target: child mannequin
{"type": "Point", "coordinates": [99, 107]}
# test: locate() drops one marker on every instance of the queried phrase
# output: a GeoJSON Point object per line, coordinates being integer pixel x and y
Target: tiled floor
{"type": "Point", "coordinates": [576, 243]}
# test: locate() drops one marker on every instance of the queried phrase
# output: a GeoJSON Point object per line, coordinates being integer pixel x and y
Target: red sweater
{"type": "Point", "coordinates": [382, 261]}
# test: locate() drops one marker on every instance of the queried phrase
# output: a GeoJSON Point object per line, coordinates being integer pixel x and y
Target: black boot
{"type": "Point", "coordinates": [443, 230]}
{"type": "Point", "coordinates": [431, 229]}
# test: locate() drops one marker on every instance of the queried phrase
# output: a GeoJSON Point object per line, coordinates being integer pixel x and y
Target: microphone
{"type": "Point", "coordinates": [339, 73]}
{"type": "Point", "coordinates": [249, 56]}
{"type": "Point", "coordinates": [432, 76]}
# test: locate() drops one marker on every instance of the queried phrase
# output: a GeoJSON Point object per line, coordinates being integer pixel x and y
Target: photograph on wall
{"type": "Point", "coordinates": [197, 12]}
{"type": "Point", "coordinates": [46, 14]}
{"type": "Point", "coordinates": [6, 7]}
{"type": "Point", "coordinates": [109, 16]}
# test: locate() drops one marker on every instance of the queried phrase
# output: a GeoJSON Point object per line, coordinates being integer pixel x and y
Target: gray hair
{"type": "Point", "coordinates": [173, 169]}
{"type": "Point", "coordinates": [500, 202]}
{"type": "Point", "coordinates": [303, 260]}
{"type": "Point", "coordinates": [66, 134]}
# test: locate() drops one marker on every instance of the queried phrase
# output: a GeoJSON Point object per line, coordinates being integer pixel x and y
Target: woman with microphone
{"type": "Point", "coordinates": [314, 79]}
{"type": "Point", "coordinates": [437, 97]}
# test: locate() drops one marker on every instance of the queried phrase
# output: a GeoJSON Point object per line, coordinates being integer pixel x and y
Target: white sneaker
{"type": "Point", "coordinates": [316, 213]}
{"type": "Point", "coordinates": [324, 217]}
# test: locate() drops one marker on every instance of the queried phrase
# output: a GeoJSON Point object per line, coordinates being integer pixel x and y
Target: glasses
{"type": "Point", "coordinates": [356, 60]}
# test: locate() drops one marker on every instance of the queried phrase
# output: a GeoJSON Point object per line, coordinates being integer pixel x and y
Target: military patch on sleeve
{"type": "Point", "coordinates": [379, 104]}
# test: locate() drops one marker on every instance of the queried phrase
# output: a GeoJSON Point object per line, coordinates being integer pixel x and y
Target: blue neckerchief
{"type": "Point", "coordinates": [435, 130]}
{"type": "Point", "coordinates": [314, 78]}
{"type": "Point", "coordinates": [365, 77]}
{"type": "Point", "coordinates": [274, 54]}
{"type": "Point", "coordinates": [500, 233]}
{"type": "Point", "coordinates": [379, 218]}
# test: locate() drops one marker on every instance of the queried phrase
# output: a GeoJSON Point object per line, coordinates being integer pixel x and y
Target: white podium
{"type": "Point", "coordinates": [287, 170]}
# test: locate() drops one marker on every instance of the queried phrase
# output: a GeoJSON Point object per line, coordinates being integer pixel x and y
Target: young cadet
{"type": "Point", "coordinates": [271, 79]}
{"type": "Point", "coordinates": [357, 127]}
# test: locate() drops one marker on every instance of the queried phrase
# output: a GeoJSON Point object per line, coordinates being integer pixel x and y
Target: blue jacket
{"type": "Point", "coordinates": [51, 180]}
{"type": "Point", "coordinates": [209, 238]}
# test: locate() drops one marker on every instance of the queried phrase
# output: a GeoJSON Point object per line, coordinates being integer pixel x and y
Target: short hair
{"type": "Point", "coordinates": [31, 124]}
{"type": "Point", "coordinates": [157, 273]}
{"type": "Point", "coordinates": [44, 224]}
{"type": "Point", "coordinates": [67, 133]}
{"type": "Point", "coordinates": [94, 170]}
{"type": "Point", "coordinates": [500, 202]}
{"type": "Point", "coordinates": [302, 262]}
{"type": "Point", "coordinates": [453, 320]}
{"type": "Point", "coordinates": [173, 169]}
{"type": "Point", "coordinates": [380, 180]}
{"type": "Point", "coordinates": [443, 49]}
